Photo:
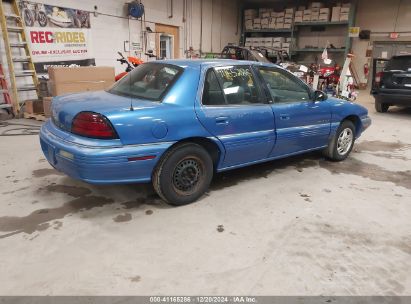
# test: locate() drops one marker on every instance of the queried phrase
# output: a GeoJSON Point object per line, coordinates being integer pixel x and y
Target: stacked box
{"type": "Point", "coordinates": [268, 42]}
{"type": "Point", "coordinates": [287, 26]}
{"type": "Point", "coordinates": [277, 44]}
{"type": "Point", "coordinates": [265, 22]}
{"type": "Point", "coordinates": [298, 16]}
{"type": "Point", "coordinates": [307, 15]}
{"type": "Point", "coordinates": [335, 15]}
{"type": "Point", "coordinates": [249, 24]}
{"type": "Point", "coordinates": [271, 24]}
{"type": "Point", "coordinates": [265, 15]}
{"type": "Point", "coordinates": [257, 24]}
{"type": "Point", "coordinates": [345, 12]}
{"type": "Point", "coordinates": [315, 13]}
{"type": "Point", "coordinates": [288, 20]}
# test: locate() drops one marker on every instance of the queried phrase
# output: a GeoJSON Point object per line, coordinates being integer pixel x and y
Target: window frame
{"type": "Point", "coordinates": [291, 76]}
{"type": "Point", "coordinates": [261, 92]}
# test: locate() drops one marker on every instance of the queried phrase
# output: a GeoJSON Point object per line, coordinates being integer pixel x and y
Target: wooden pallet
{"type": "Point", "coordinates": [37, 116]}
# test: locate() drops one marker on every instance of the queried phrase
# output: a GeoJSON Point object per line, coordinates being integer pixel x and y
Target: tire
{"type": "Point", "coordinates": [183, 174]}
{"type": "Point", "coordinates": [342, 142]}
{"type": "Point", "coordinates": [381, 107]}
{"type": "Point", "coordinates": [42, 19]}
{"type": "Point", "coordinates": [28, 17]}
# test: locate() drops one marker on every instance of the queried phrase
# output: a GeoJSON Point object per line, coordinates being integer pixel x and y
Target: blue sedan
{"type": "Point", "coordinates": [176, 122]}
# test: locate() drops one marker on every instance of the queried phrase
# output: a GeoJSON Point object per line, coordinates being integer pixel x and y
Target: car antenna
{"type": "Point", "coordinates": [129, 73]}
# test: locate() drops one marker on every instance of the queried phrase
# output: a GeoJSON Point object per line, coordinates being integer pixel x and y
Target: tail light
{"type": "Point", "coordinates": [378, 78]}
{"type": "Point", "coordinates": [94, 125]}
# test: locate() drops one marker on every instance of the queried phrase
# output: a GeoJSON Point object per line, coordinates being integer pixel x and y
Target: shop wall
{"type": "Point", "coordinates": [381, 17]}
{"type": "Point", "coordinates": [218, 24]}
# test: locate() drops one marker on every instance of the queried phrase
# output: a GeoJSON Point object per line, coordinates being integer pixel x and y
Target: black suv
{"type": "Point", "coordinates": [393, 85]}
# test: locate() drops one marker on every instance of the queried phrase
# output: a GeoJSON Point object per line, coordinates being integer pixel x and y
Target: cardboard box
{"type": "Point", "coordinates": [265, 21]}
{"type": "Point", "coordinates": [278, 39]}
{"type": "Point", "coordinates": [286, 45]}
{"type": "Point", "coordinates": [315, 11]}
{"type": "Point", "coordinates": [335, 16]}
{"type": "Point", "coordinates": [298, 19]}
{"type": "Point", "coordinates": [324, 17]}
{"type": "Point", "coordinates": [279, 26]}
{"type": "Point", "coordinates": [299, 13]}
{"type": "Point", "coordinates": [79, 79]}
{"type": "Point", "coordinates": [307, 18]}
{"type": "Point", "coordinates": [257, 21]}
{"type": "Point", "coordinates": [249, 24]}
{"type": "Point", "coordinates": [280, 14]}
{"type": "Point", "coordinates": [47, 106]}
{"type": "Point", "coordinates": [277, 45]}
{"type": "Point", "coordinates": [247, 44]}
{"type": "Point", "coordinates": [265, 15]}
{"type": "Point", "coordinates": [287, 25]}
{"type": "Point", "coordinates": [307, 12]}
{"type": "Point", "coordinates": [324, 10]}
{"type": "Point", "coordinates": [344, 17]}
{"type": "Point", "coordinates": [280, 20]}
{"type": "Point", "coordinates": [273, 15]}
{"type": "Point", "coordinates": [288, 20]}
{"type": "Point", "coordinates": [289, 11]}
{"type": "Point", "coordinates": [271, 25]}
{"type": "Point", "coordinates": [33, 106]}
{"type": "Point", "coordinates": [315, 17]}
{"type": "Point", "coordinates": [288, 16]}
{"type": "Point", "coordinates": [256, 26]}
{"type": "Point", "coordinates": [345, 10]}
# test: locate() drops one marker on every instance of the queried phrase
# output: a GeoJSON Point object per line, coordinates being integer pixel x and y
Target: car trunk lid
{"type": "Point", "coordinates": [66, 107]}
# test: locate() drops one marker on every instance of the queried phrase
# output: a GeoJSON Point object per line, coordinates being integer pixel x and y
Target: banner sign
{"type": "Point", "coordinates": [57, 36]}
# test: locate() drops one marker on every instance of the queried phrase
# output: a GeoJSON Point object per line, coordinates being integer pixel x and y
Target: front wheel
{"type": "Point", "coordinates": [342, 142]}
{"type": "Point", "coordinates": [183, 174]}
{"type": "Point", "coordinates": [381, 107]}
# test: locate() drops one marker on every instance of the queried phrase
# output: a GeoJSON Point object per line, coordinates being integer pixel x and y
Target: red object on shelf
{"type": "Point", "coordinates": [394, 35]}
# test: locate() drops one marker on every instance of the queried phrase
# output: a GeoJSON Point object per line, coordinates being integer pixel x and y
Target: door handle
{"type": "Point", "coordinates": [222, 120]}
{"type": "Point", "coordinates": [284, 116]}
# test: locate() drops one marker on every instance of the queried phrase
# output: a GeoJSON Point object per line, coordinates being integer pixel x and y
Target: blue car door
{"type": "Point", "coordinates": [234, 109]}
{"type": "Point", "coordinates": [301, 123]}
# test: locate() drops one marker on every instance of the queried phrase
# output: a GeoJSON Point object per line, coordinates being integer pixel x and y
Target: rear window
{"type": "Point", "coordinates": [148, 81]}
{"type": "Point", "coordinates": [401, 63]}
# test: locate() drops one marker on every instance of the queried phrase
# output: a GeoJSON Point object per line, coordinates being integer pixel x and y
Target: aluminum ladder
{"type": "Point", "coordinates": [14, 36]}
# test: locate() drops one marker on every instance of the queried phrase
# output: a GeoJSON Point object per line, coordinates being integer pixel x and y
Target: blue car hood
{"type": "Point", "coordinates": [66, 107]}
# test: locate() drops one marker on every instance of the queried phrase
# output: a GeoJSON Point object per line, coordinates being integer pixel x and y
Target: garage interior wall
{"type": "Point", "coordinates": [110, 32]}
{"type": "Point", "coordinates": [381, 17]}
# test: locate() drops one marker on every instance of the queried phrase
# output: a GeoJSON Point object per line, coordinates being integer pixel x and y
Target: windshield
{"type": "Point", "coordinates": [147, 81]}
{"type": "Point", "coordinates": [400, 63]}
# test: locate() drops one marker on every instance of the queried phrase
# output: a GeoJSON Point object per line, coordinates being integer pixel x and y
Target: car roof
{"type": "Point", "coordinates": [198, 63]}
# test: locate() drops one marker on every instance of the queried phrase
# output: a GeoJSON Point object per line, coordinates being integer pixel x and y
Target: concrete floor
{"type": "Point", "coordinates": [300, 226]}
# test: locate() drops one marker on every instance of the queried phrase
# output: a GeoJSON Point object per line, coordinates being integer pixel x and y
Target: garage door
{"type": "Point", "coordinates": [389, 49]}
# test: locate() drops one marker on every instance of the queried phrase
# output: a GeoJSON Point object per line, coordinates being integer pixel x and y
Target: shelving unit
{"type": "Point", "coordinates": [297, 28]}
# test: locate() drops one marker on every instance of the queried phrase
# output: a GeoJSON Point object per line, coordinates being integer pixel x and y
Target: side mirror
{"type": "Point", "coordinates": [320, 96]}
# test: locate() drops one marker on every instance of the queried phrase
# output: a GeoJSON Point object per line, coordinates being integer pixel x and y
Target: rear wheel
{"type": "Point", "coordinates": [342, 142]}
{"type": "Point", "coordinates": [183, 174]}
{"type": "Point", "coordinates": [381, 107]}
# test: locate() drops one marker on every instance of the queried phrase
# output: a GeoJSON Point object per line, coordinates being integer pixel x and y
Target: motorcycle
{"type": "Point", "coordinates": [130, 62]}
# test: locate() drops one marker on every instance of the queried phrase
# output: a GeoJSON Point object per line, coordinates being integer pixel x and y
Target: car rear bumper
{"type": "Point", "coordinates": [101, 165]}
{"type": "Point", "coordinates": [394, 97]}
